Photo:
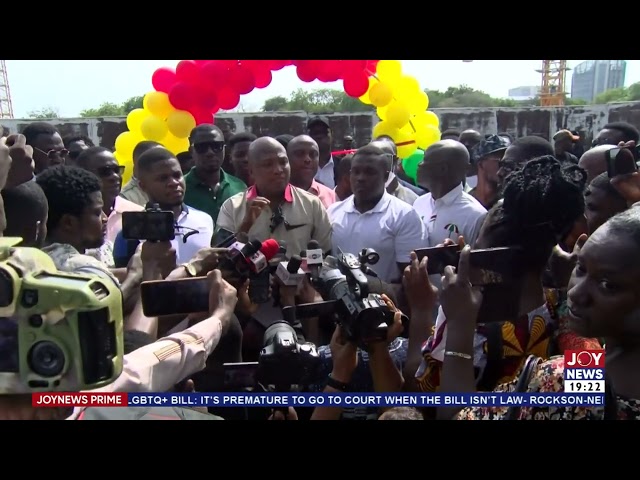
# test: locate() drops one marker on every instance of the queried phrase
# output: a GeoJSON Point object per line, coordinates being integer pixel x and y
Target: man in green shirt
{"type": "Point", "coordinates": [208, 186]}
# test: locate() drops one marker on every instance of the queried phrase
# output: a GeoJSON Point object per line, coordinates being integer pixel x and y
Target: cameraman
{"type": "Point", "coordinates": [345, 356]}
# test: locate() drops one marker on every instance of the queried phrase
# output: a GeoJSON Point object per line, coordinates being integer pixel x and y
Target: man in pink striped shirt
{"type": "Point", "coordinates": [304, 154]}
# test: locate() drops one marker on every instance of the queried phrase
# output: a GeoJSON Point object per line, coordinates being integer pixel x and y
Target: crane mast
{"type": "Point", "coordinates": [6, 106]}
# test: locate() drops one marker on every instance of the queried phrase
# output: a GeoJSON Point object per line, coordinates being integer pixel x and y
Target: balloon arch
{"type": "Point", "coordinates": [193, 92]}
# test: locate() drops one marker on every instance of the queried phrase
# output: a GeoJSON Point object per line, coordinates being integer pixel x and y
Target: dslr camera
{"type": "Point", "coordinates": [345, 283]}
{"type": "Point", "coordinates": [58, 331]}
{"type": "Point", "coordinates": [284, 365]}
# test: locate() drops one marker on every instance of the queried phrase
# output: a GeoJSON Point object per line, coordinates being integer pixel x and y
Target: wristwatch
{"type": "Point", "coordinates": [190, 268]}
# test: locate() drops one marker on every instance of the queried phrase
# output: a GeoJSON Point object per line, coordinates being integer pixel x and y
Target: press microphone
{"type": "Point", "coordinates": [264, 251]}
{"type": "Point", "coordinates": [290, 273]}
{"type": "Point", "coordinates": [314, 258]}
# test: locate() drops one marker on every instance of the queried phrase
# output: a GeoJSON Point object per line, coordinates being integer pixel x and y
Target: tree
{"type": "Point", "coordinates": [623, 94]}
{"type": "Point", "coordinates": [44, 113]}
{"type": "Point", "coordinates": [324, 100]}
{"type": "Point", "coordinates": [108, 109]}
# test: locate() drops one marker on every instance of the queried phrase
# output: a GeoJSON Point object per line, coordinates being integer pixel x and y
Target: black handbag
{"type": "Point", "coordinates": [530, 366]}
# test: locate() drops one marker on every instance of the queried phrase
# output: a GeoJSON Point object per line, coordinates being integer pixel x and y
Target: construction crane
{"type": "Point", "coordinates": [554, 74]}
{"type": "Point", "coordinates": [6, 107]}
{"type": "Point", "coordinates": [552, 92]}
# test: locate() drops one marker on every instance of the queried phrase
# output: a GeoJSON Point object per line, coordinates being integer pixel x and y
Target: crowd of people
{"type": "Point", "coordinates": [573, 286]}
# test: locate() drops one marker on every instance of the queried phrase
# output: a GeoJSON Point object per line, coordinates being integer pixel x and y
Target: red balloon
{"type": "Point", "coordinates": [182, 96]}
{"type": "Point", "coordinates": [356, 84]}
{"type": "Point", "coordinates": [263, 78]}
{"type": "Point", "coordinates": [201, 116]}
{"type": "Point", "coordinates": [187, 71]}
{"type": "Point", "coordinates": [329, 70]}
{"type": "Point", "coordinates": [228, 99]}
{"type": "Point", "coordinates": [350, 66]}
{"type": "Point", "coordinates": [215, 73]}
{"type": "Point", "coordinates": [242, 79]}
{"type": "Point", "coordinates": [278, 64]}
{"type": "Point", "coordinates": [201, 63]}
{"type": "Point", "coordinates": [372, 66]}
{"type": "Point", "coordinates": [206, 97]}
{"type": "Point", "coordinates": [306, 70]}
{"type": "Point", "coordinates": [163, 79]}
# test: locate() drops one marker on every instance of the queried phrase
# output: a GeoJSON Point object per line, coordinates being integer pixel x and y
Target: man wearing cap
{"type": "Point", "coordinates": [487, 155]}
{"type": "Point", "coordinates": [319, 129]}
{"type": "Point", "coordinates": [564, 143]}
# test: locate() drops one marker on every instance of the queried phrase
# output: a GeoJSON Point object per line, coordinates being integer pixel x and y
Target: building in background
{"type": "Point", "coordinates": [592, 77]}
{"type": "Point", "coordinates": [524, 93]}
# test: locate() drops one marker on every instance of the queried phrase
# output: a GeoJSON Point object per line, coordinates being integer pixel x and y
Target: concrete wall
{"type": "Point", "coordinates": [518, 122]}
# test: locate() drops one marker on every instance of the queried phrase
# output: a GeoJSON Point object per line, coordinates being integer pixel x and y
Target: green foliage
{"type": "Point", "coordinates": [624, 94]}
{"type": "Point", "coordinates": [108, 109]}
{"type": "Point", "coordinates": [324, 100]}
{"type": "Point", "coordinates": [44, 113]}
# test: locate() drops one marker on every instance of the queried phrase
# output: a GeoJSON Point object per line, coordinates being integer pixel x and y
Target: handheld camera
{"type": "Point", "coordinates": [362, 313]}
{"type": "Point", "coordinates": [284, 365]}
{"type": "Point", "coordinates": [58, 331]}
{"type": "Point", "coordinates": [153, 225]}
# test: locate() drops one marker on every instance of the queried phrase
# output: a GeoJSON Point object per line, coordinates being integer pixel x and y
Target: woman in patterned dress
{"type": "Point", "coordinates": [603, 301]}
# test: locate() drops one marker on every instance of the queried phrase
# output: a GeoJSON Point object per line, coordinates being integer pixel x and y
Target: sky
{"type": "Point", "coordinates": [70, 86]}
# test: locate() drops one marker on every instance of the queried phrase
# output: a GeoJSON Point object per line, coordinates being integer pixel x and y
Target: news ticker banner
{"type": "Point", "coordinates": [345, 400]}
{"type": "Point", "coordinates": [584, 371]}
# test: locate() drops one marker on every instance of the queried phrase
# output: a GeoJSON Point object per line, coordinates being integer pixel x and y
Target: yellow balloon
{"type": "Point", "coordinates": [406, 142]}
{"type": "Point", "coordinates": [418, 103]}
{"type": "Point", "coordinates": [158, 104]}
{"type": "Point", "coordinates": [380, 94]}
{"type": "Point", "coordinates": [125, 143]}
{"type": "Point", "coordinates": [426, 118]}
{"type": "Point", "coordinates": [127, 162]}
{"type": "Point", "coordinates": [382, 113]}
{"type": "Point", "coordinates": [407, 85]}
{"type": "Point", "coordinates": [153, 128]}
{"type": "Point", "coordinates": [365, 98]}
{"type": "Point", "coordinates": [175, 145]}
{"type": "Point", "coordinates": [398, 114]}
{"type": "Point", "coordinates": [180, 123]}
{"type": "Point", "coordinates": [427, 135]}
{"type": "Point", "coordinates": [388, 70]}
{"type": "Point", "coordinates": [384, 128]}
{"type": "Point", "coordinates": [135, 119]}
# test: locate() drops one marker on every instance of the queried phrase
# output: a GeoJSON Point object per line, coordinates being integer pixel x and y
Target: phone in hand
{"type": "Point", "coordinates": [488, 266]}
{"type": "Point", "coordinates": [175, 297]}
{"type": "Point", "coordinates": [150, 225]}
{"type": "Point", "coordinates": [622, 161]}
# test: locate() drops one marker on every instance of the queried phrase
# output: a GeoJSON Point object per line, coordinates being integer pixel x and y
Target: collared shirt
{"type": "Point", "coordinates": [325, 174]}
{"type": "Point", "coordinates": [326, 195]}
{"type": "Point", "coordinates": [305, 219]}
{"type": "Point", "coordinates": [132, 192]}
{"type": "Point", "coordinates": [456, 213]}
{"type": "Point", "coordinates": [210, 199]}
{"type": "Point", "coordinates": [392, 228]}
{"type": "Point", "coordinates": [157, 367]}
{"type": "Point", "coordinates": [404, 194]}
{"type": "Point", "coordinates": [191, 220]}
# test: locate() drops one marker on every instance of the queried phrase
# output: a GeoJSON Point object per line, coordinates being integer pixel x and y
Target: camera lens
{"type": "Point", "coordinates": [46, 359]}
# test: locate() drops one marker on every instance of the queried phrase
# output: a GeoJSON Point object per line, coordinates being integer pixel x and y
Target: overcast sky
{"type": "Point", "coordinates": [71, 86]}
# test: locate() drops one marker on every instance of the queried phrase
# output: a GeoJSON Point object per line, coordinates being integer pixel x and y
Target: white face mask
{"type": "Point", "coordinates": [392, 176]}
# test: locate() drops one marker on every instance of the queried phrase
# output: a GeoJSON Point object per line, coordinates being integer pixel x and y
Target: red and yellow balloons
{"type": "Point", "coordinates": [193, 92]}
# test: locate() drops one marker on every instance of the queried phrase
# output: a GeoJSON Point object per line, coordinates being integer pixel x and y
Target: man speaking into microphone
{"type": "Point", "coordinates": [273, 208]}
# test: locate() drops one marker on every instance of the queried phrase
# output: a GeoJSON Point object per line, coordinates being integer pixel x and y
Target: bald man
{"type": "Point", "coordinates": [304, 154]}
{"type": "Point", "coordinates": [272, 207]}
{"type": "Point", "coordinates": [594, 161]}
{"type": "Point", "coordinates": [447, 210]}
{"type": "Point", "coordinates": [471, 138]}
{"type": "Point", "coordinates": [392, 184]}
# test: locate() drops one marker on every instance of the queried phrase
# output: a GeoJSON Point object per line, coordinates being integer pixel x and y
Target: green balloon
{"type": "Point", "coordinates": [410, 164]}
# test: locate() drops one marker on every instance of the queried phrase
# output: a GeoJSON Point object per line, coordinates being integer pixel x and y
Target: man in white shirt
{"type": "Point", "coordinates": [162, 180]}
{"type": "Point", "coordinates": [447, 210]}
{"type": "Point", "coordinates": [470, 138]}
{"type": "Point", "coordinates": [373, 218]}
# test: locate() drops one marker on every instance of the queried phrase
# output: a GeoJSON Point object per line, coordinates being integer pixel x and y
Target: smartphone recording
{"type": "Point", "coordinates": [175, 297]}
{"type": "Point", "coordinates": [151, 225]}
{"type": "Point", "coordinates": [622, 161]}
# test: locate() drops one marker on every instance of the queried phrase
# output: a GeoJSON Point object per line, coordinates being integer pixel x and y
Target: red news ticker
{"type": "Point", "coordinates": [78, 399]}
